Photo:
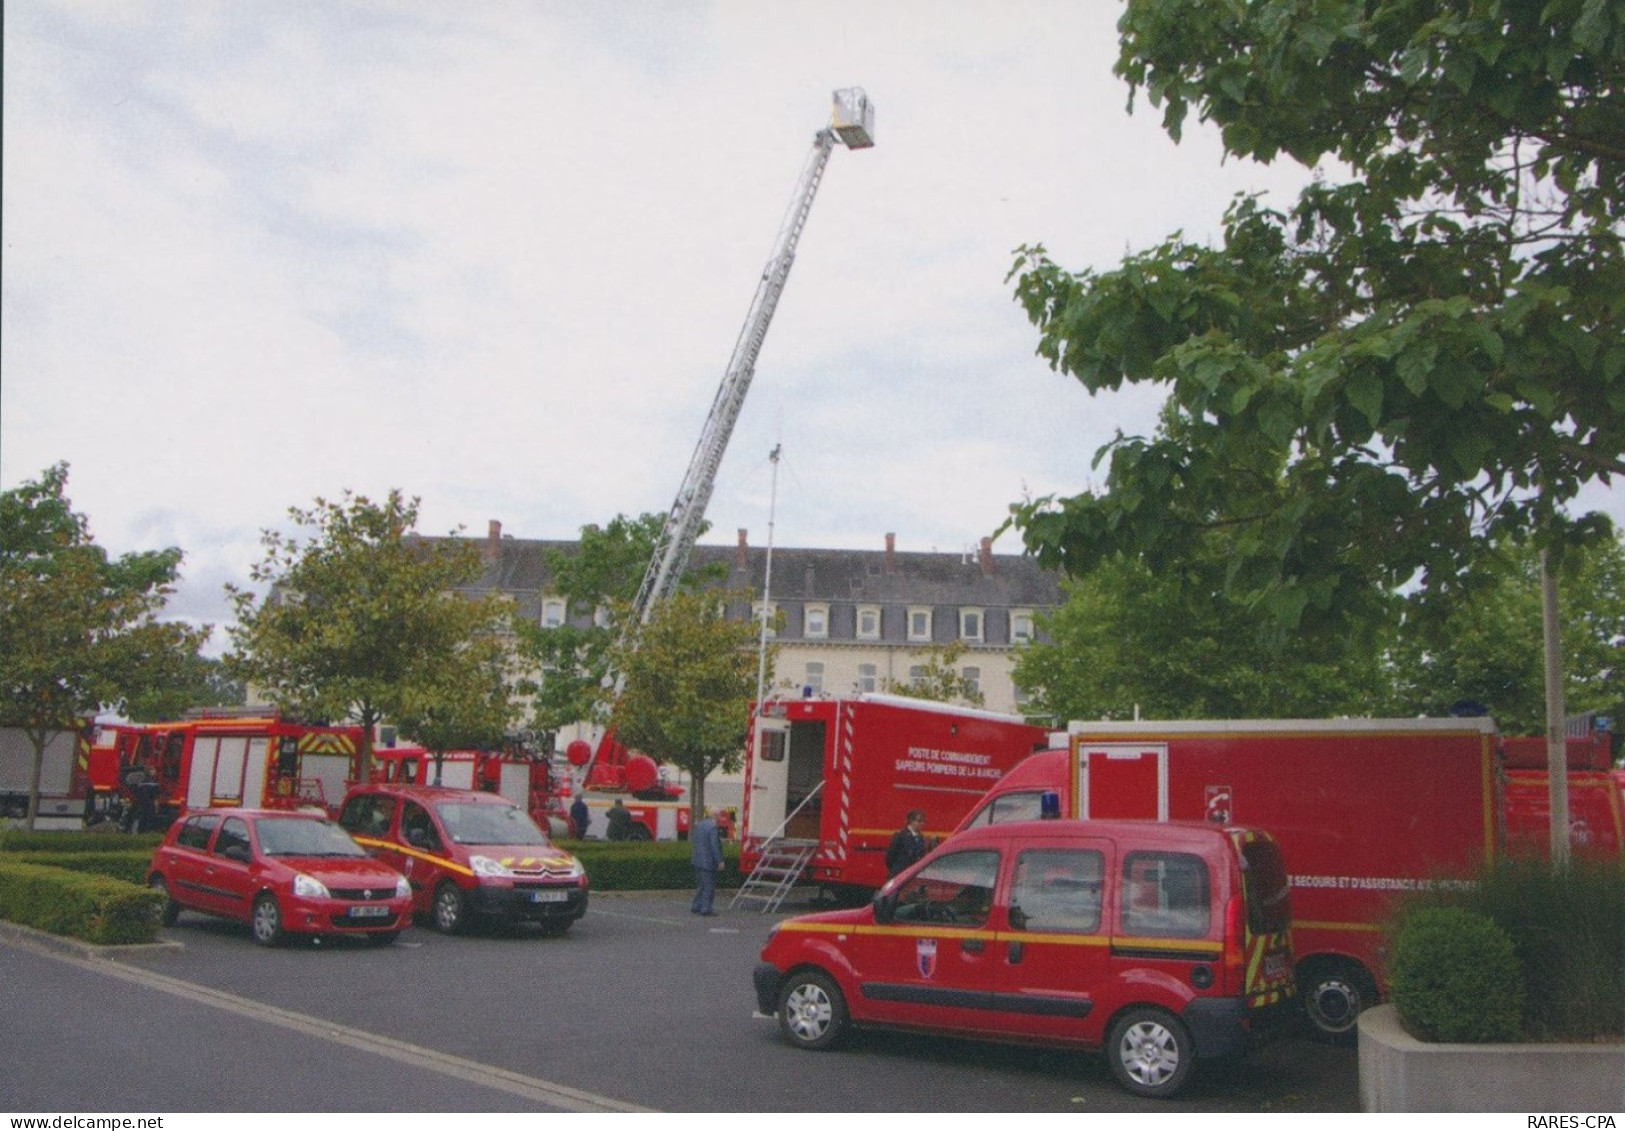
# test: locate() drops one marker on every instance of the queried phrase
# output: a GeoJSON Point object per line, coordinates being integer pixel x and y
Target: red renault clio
{"type": "Point", "coordinates": [1159, 943]}
{"type": "Point", "coordinates": [282, 872]}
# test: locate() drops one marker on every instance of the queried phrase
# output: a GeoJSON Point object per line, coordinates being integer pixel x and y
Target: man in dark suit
{"type": "Point", "coordinates": [907, 844]}
{"type": "Point", "coordinates": [705, 853]}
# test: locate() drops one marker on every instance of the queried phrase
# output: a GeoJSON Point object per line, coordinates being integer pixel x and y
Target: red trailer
{"type": "Point", "coordinates": [1364, 810]}
{"type": "Point", "coordinates": [839, 776]}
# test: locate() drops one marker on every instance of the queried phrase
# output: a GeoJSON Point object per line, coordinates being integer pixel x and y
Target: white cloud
{"type": "Point", "coordinates": [497, 256]}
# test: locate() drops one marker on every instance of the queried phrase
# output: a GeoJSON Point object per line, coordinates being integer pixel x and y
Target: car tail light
{"type": "Point", "coordinates": [1235, 946]}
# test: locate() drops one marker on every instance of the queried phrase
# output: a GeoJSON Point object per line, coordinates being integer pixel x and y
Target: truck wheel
{"type": "Point", "coordinates": [640, 832]}
{"type": "Point", "coordinates": [812, 1013]}
{"type": "Point", "coordinates": [1151, 1053]}
{"type": "Point", "coordinates": [267, 920]}
{"type": "Point", "coordinates": [1334, 994]}
{"type": "Point", "coordinates": [449, 908]}
{"type": "Point", "coordinates": [171, 910]}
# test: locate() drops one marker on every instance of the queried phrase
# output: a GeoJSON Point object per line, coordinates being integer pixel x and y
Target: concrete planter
{"type": "Point", "coordinates": [1400, 1073]}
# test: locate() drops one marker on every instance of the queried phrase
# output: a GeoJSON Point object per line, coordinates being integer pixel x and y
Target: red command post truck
{"type": "Point", "coordinates": [839, 776]}
{"type": "Point", "coordinates": [1364, 810]}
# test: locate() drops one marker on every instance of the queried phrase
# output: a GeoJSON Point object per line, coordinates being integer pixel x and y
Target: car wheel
{"type": "Point", "coordinates": [267, 920]}
{"type": "Point", "coordinates": [812, 1013]}
{"type": "Point", "coordinates": [449, 908]}
{"type": "Point", "coordinates": [1334, 994]}
{"type": "Point", "coordinates": [171, 910]}
{"type": "Point", "coordinates": [640, 833]}
{"type": "Point", "coordinates": [1151, 1053]}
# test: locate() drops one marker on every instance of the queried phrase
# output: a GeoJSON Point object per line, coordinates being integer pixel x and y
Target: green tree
{"type": "Point", "coordinates": [78, 630]}
{"type": "Point", "coordinates": [362, 618]}
{"type": "Point", "coordinates": [939, 679]}
{"type": "Point", "coordinates": [1128, 642]}
{"type": "Point", "coordinates": [598, 581]}
{"type": "Point", "coordinates": [463, 701]}
{"type": "Point", "coordinates": [1488, 649]}
{"type": "Point", "coordinates": [690, 676]}
{"type": "Point", "coordinates": [196, 681]}
{"type": "Point", "coordinates": [1407, 361]}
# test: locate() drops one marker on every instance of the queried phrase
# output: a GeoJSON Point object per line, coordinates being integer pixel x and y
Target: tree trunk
{"type": "Point", "coordinates": [1557, 762]}
{"type": "Point", "coordinates": [38, 740]}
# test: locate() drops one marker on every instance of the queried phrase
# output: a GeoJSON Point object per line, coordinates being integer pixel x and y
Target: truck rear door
{"type": "Point", "coordinates": [1122, 780]}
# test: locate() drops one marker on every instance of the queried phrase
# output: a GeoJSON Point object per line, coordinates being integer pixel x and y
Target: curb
{"type": "Point", "coordinates": [35, 939]}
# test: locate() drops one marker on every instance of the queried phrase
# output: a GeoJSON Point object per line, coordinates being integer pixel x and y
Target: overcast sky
{"type": "Point", "coordinates": [497, 255]}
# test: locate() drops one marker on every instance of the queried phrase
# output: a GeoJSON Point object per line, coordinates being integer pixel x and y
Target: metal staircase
{"type": "Point", "coordinates": [781, 864]}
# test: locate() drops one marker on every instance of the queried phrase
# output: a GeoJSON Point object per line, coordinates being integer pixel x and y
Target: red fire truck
{"type": "Point", "coordinates": [839, 776]}
{"type": "Point", "coordinates": [525, 779]}
{"type": "Point", "coordinates": [261, 762]}
{"type": "Point", "coordinates": [1596, 806]}
{"type": "Point", "coordinates": [1364, 810]}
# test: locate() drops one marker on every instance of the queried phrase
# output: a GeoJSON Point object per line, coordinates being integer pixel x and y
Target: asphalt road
{"type": "Point", "coordinates": [641, 1005]}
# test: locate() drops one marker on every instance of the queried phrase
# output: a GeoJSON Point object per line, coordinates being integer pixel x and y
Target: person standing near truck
{"type": "Point", "coordinates": [907, 844]}
{"type": "Point", "coordinates": [705, 853]}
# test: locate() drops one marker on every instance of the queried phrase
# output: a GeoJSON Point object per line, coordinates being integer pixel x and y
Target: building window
{"type": "Point", "coordinates": [868, 678]}
{"type": "Point", "coordinates": [814, 684]}
{"type": "Point", "coordinates": [756, 610]}
{"type": "Point", "coordinates": [916, 675]}
{"type": "Point", "coordinates": [553, 612]}
{"type": "Point", "coordinates": [600, 616]}
{"type": "Point", "coordinates": [868, 622]}
{"type": "Point", "coordinates": [1021, 626]}
{"type": "Point", "coordinates": [970, 625]}
{"type": "Point", "coordinates": [919, 624]}
{"type": "Point", "coordinates": [815, 622]}
{"type": "Point", "coordinates": [973, 680]}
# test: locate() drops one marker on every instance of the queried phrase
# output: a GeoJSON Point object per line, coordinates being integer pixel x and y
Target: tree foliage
{"type": "Point", "coordinates": [193, 681]}
{"type": "Point", "coordinates": [78, 630]}
{"type": "Point", "coordinates": [939, 679]}
{"type": "Point", "coordinates": [1127, 642]}
{"type": "Point", "coordinates": [1487, 650]}
{"type": "Point", "coordinates": [1365, 385]}
{"type": "Point", "coordinates": [363, 620]}
{"type": "Point", "coordinates": [598, 582]}
{"type": "Point", "coordinates": [690, 676]}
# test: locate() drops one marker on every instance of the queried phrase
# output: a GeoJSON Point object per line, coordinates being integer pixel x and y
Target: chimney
{"type": "Point", "coordinates": [891, 553]}
{"type": "Point", "coordinates": [493, 541]}
{"type": "Point", "coordinates": [740, 560]}
{"type": "Point", "coordinates": [987, 557]}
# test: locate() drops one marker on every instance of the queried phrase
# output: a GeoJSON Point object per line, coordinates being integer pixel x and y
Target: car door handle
{"type": "Point", "coordinates": [971, 946]}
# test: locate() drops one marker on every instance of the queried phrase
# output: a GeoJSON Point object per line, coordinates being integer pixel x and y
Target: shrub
{"type": "Point", "coordinates": [1568, 929]}
{"type": "Point", "coordinates": [1455, 977]}
{"type": "Point", "coordinates": [94, 908]}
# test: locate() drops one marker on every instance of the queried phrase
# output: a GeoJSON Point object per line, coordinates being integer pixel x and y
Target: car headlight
{"type": "Point", "coordinates": [402, 888]}
{"type": "Point", "coordinates": [574, 870]}
{"type": "Point", "coordinates": [308, 887]}
{"type": "Point", "coordinates": [485, 866]}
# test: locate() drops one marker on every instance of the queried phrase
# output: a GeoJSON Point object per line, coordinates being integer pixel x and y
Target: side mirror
{"type": "Point", "coordinates": [417, 838]}
{"type": "Point", "coordinates": [237, 852]}
{"type": "Point", "coordinates": [885, 905]}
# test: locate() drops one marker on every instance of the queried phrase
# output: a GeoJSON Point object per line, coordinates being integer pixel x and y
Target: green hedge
{"type": "Point", "coordinates": [90, 907]}
{"type": "Point", "coordinates": [611, 865]}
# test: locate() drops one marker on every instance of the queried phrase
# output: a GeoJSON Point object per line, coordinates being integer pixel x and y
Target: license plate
{"type": "Point", "coordinates": [368, 911]}
{"type": "Point", "coordinates": [549, 896]}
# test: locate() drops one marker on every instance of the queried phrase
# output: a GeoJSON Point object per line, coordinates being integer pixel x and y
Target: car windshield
{"type": "Point", "coordinates": [301, 836]}
{"type": "Point", "coordinates": [488, 824]}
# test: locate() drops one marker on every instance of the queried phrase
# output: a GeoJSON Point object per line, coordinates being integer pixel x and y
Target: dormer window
{"type": "Point", "coordinates": [919, 623]}
{"type": "Point", "coordinates": [815, 622]}
{"type": "Point", "coordinates": [553, 610]}
{"type": "Point", "coordinates": [970, 625]}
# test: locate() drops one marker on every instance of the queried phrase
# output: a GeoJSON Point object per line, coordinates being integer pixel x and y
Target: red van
{"type": "Point", "coordinates": [467, 855]}
{"type": "Point", "coordinates": [1161, 944]}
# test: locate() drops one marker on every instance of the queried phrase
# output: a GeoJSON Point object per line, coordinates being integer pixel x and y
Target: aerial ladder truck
{"type": "Point", "coordinates": [610, 766]}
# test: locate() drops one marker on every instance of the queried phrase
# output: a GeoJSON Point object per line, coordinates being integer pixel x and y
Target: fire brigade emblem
{"type": "Point", "coordinates": [1218, 804]}
{"type": "Point", "coordinates": [925, 957]}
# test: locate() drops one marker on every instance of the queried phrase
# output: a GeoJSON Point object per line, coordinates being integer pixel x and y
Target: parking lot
{"type": "Point", "coordinates": [641, 1005]}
